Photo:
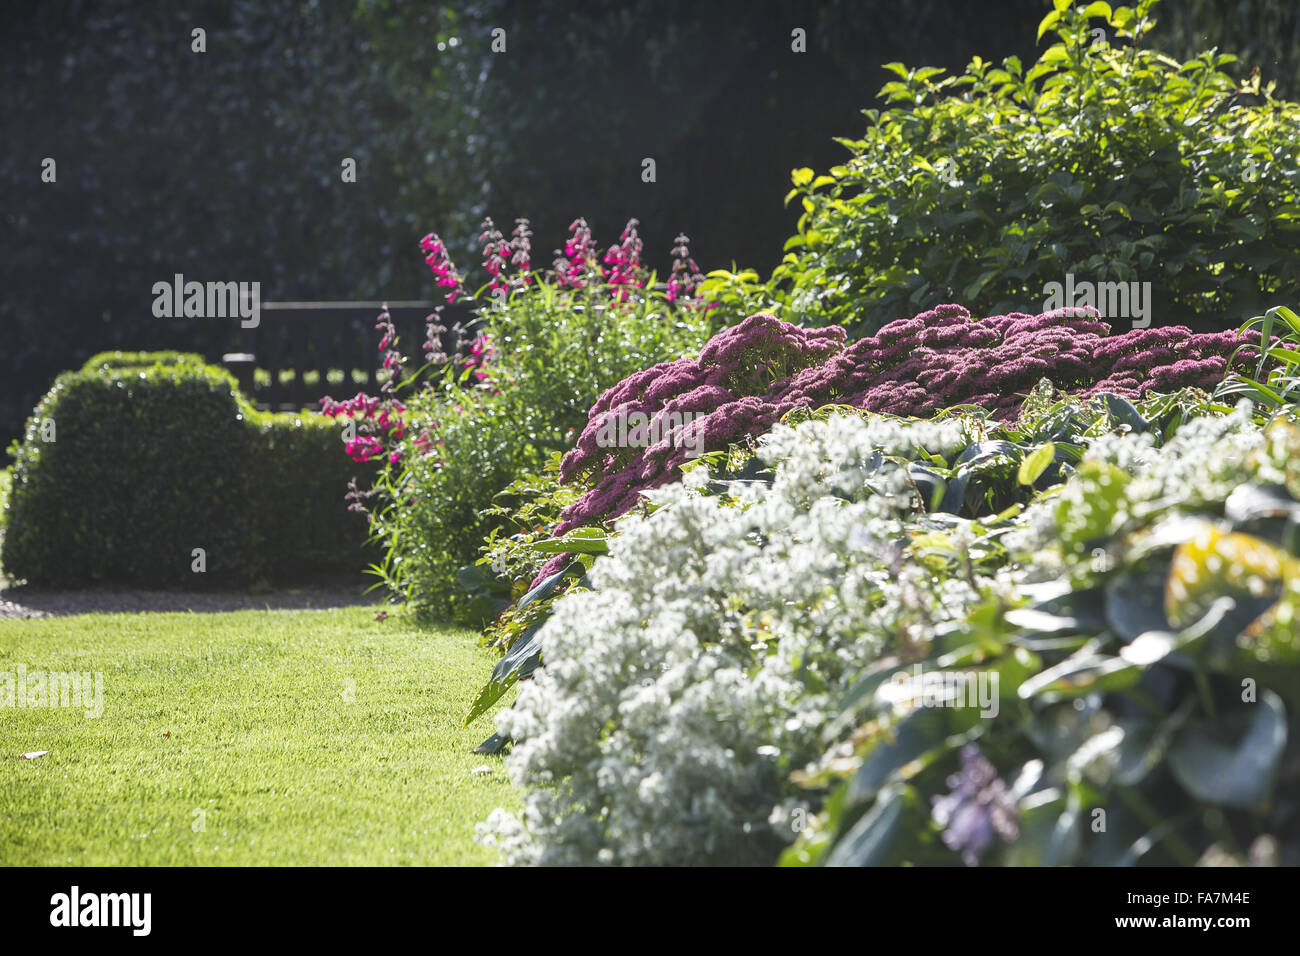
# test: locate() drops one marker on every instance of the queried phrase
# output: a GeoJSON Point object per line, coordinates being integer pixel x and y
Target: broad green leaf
{"type": "Point", "coordinates": [1091, 502]}
{"type": "Point", "coordinates": [579, 541]}
{"type": "Point", "coordinates": [1085, 672]}
{"type": "Point", "coordinates": [1233, 773]}
{"type": "Point", "coordinates": [1032, 468]}
{"type": "Point", "coordinates": [872, 836]}
{"type": "Point", "coordinates": [1135, 602]}
{"type": "Point", "coordinates": [1214, 565]}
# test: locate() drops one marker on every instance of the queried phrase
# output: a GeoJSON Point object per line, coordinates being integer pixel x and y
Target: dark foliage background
{"type": "Point", "coordinates": [226, 165]}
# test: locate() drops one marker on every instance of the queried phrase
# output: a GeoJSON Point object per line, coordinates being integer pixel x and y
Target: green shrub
{"type": "Point", "coordinates": [301, 476]}
{"type": "Point", "coordinates": [148, 463]}
{"type": "Point", "coordinates": [6, 480]}
{"type": "Point", "coordinates": [1102, 160]}
{"type": "Point", "coordinates": [145, 466]}
{"type": "Point", "coordinates": [436, 515]}
{"type": "Point", "coordinates": [552, 362]}
{"type": "Point", "coordinates": [552, 343]}
{"type": "Point", "coordinates": [1148, 671]}
{"type": "Point", "coordinates": [140, 359]}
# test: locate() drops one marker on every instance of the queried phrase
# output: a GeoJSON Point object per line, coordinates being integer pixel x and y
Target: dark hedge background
{"type": "Point", "coordinates": [225, 165]}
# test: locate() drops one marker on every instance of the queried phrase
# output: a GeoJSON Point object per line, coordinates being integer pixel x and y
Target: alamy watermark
{"type": "Point", "coordinates": [24, 688]}
{"type": "Point", "coordinates": [179, 299]}
{"type": "Point", "coordinates": [624, 429]}
{"type": "Point", "coordinates": [75, 908]}
{"type": "Point", "coordinates": [1114, 300]}
{"type": "Point", "coordinates": [924, 688]}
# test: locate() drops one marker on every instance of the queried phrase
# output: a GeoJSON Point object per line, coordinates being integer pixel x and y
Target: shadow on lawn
{"type": "Point", "coordinates": [325, 592]}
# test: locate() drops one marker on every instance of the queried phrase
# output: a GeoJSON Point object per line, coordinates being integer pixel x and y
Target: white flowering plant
{"type": "Point", "coordinates": [1145, 643]}
{"type": "Point", "coordinates": [990, 466]}
{"type": "Point", "coordinates": [688, 697]}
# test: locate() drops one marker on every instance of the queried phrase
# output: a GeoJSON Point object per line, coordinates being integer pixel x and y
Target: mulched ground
{"type": "Point", "coordinates": [36, 602]}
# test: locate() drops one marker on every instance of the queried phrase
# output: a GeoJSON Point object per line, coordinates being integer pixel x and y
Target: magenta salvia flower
{"type": "Point", "coordinates": [364, 448]}
{"type": "Point", "coordinates": [378, 421]}
{"type": "Point", "coordinates": [624, 262]}
{"type": "Point", "coordinates": [394, 362]}
{"type": "Point", "coordinates": [575, 268]}
{"type": "Point", "coordinates": [440, 264]}
{"type": "Point", "coordinates": [480, 356]}
{"type": "Point", "coordinates": [434, 329]}
{"type": "Point", "coordinates": [747, 377]}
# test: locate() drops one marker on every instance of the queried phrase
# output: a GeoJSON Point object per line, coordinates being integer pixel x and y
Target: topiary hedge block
{"type": "Point", "coordinates": [125, 470]}
{"type": "Point", "coordinates": [302, 476]}
{"type": "Point", "coordinates": [140, 359]}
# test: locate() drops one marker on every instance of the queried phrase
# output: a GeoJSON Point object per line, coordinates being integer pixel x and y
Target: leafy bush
{"type": "Point", "coordinates": [1147, 668]}
{"type": "Point", "coordinates": [732, 632]}
{"type": "Point", "coordinates": [145, 463]}
{"type": "Point", "coordinates": [298, 501]}
{"type": "Point", "coordinates": [140, 359]}
{"type": "Point", "coordinates": [6, 481]}
{"type": "Point", "coordinates": [1102, 160]}
{"type": "Point", "coordinates": [998, 467]}
{"type": "Point", "coordinates": [552, 342]}
{"type": "Point", "coordinates": [749, 376]}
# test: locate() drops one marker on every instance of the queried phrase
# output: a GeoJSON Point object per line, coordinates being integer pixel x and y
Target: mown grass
{"type": "Point", "coordinates": [249, 738]}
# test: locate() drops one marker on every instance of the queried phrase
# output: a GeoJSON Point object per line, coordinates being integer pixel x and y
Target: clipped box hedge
{"type": "Point", "coordinates": [102, 360]}
{"type": "Point", "coordinates": [302, 475]}
{"type": "Point", "coordinates": [152, 459]}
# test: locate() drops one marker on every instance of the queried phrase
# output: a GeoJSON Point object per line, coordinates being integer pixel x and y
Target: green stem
{"type": "Point", "coordinates": [1178, 848]}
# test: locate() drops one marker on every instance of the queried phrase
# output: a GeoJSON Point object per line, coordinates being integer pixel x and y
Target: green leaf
{"type": "Point", "coordinates": [918, 733]}
{"type": "Point", "coordinates": [1134, 603]}
{"type": "Point", "coordinates": [1049, 21]}
{"type": "Point", "coordinates": [493, 745]}
{"type": "Point", "coordinates": [578, 541]}
{"type": "Point", "coordinates": [1085, 672]}
{"type": "Point", "coordinates": [1214, 565]}
{"type": "Point", "coordinates": [1054, 54]}
{"type": "Point", "coordinates": [547, 587]}
{"type": "Point", "coordinates": [1032, 468]}
{"type": "Point", "coordinates": [973, 290]}
{"type": "Point", "coordinates": [1224, 773]}
{"type": "Point", "coordinates": [872, 836]}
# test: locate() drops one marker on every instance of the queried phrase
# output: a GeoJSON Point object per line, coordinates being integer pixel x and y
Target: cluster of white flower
{"type": "Point", "coordinates": [677, 696]}
{"type": "Point", "coordinates": [1201, 463]}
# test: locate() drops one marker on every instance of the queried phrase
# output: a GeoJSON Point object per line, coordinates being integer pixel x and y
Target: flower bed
{"type": "Point", "coordinates": [730, 683]}
{"type": "Point", "coordinates": [749, 376]}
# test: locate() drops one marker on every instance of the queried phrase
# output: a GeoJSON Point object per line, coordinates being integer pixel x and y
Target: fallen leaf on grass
{"type": "Point", "coordinates": [33, 755]}
{"type": "Point", "coordinates": [381, 615]}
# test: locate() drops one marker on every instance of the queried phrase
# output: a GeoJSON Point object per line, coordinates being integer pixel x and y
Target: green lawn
{"type": "Point", "coordinates": [303, 737]}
